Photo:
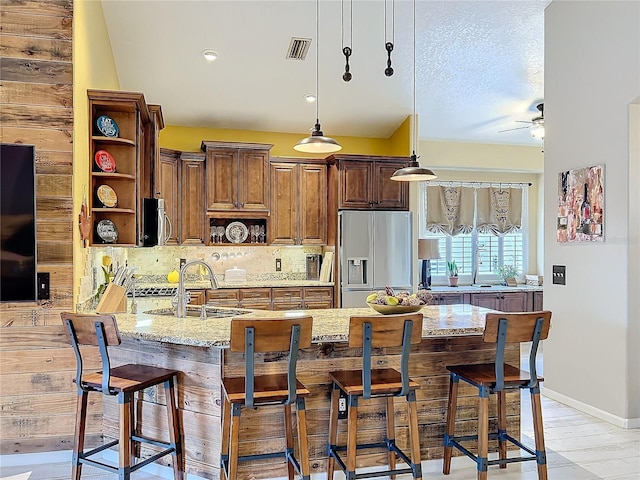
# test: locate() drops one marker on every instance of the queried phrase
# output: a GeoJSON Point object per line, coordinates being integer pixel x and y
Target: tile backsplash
{"type": "Point", "coordinates": [157, 262]}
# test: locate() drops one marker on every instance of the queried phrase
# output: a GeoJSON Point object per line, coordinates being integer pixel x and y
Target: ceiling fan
{"type": "Point", "coordinates": [536, 124]}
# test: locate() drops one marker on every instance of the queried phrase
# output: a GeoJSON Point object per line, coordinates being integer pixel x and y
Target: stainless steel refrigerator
{"type": "Point", "coordinates": [375, 250]}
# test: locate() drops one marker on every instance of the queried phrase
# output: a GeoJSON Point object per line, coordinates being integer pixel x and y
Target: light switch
{"type": "Point", "coordinates": [278, 264]}
{"type": "Point", "coordinates": [559, 274]}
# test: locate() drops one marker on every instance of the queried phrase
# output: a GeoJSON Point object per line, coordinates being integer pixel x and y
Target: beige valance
{"type": "Point", "coordinates": [499, 210]}
{"type": "Point", "coordinates": [450, 209]}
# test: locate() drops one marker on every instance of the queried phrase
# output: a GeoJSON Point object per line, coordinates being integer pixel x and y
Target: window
{"type": "Point", "coordinates": [484, 252]}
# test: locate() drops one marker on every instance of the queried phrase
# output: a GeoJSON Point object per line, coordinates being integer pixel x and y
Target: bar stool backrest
{"type": "Point", "coordinates": [253, 336]}
{"type": "Point", "coordinates": [503, 328]}
{"type": "Point", "coordinates": [96, 330]}
{"type": "Point", "coordinates": [379, 331]}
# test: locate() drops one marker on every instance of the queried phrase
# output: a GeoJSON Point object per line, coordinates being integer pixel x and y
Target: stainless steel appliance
{"type": "Point", "coordinates": [313, 266]}
{"type": "Point", "coordinates": [376, 249]}
{"type": "Point", "coordinates": [156, 225]}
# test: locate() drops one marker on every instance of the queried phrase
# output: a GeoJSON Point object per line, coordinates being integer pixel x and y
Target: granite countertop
{"type": "Point", "coordinates": [330, 325]}
{"type": "Point", "coordinates": [493, 288]}
{"type": "Point", "coordinates": [192, 285]}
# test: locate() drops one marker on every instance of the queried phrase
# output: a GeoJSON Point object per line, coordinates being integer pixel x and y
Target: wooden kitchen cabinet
{"type": "Point", "coordinates": [503, 301]}
{"type": "Point", "coordinates": [537, 301]}
{"type": "Point", "coordinates": [255, 298]}
{"type": "Point", "coordinates": [129, 116]}
{"type": "Point", "coordinates": [192, 189]}
{"type": "Point", "coordinates": [364, 182]}
{"type": "Point", "coordinates": [223, 297]}
{"type": "Point", "coordinates": [197, 297]}
{"type": "Point", "coordinates": [237, 176]}
{"type": "Point", "coordinates": [286, 298]}
{"type": "Point", "coordinates": [167, 187]}
{"type": "Point", "coordinates": [298, 203]}
{"type": "Point", "coordinates": [317, 297]}
{"type": "Point", "coordinates": [449, 298]}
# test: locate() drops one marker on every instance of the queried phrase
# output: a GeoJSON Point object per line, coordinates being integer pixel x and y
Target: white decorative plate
{"type": "Point", "coordinates": [237, 232]}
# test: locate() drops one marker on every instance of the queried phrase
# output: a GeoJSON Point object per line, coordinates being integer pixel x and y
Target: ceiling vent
{"type": "Point", "coordinates": [298, 48]}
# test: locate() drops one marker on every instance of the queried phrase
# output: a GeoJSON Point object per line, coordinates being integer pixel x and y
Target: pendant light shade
{"type": "Point", "coordinates": [414, 172]}
{"type": "Point", "coordinates": [317, 142]}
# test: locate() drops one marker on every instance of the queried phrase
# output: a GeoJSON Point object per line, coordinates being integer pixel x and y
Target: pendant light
{"type": "Point", "coordinates": [317, 142]}
{"type": "Point", "coordinates": [414, 172]}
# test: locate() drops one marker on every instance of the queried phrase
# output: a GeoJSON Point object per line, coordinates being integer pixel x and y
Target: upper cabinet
{"type": "Point", "coordinates": [167, 180]}
{"type": "Point", "coordinates": [117, 126]}
{"type": "Point", "coordinates": [298, 203]}
{"type": "Point", "coordinates": [237, 177]}
{"type": "Point", "coordinates": [192, 189]}
{"type": "Point", "coordinates": [364, 182]}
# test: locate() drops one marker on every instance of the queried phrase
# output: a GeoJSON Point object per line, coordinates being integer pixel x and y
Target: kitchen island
{"type": "Point", "coordinates": [198, 348]}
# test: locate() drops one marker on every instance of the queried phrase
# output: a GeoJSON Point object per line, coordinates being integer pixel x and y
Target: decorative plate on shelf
{"type": "Point", "coordinates": [105, 161]}
{"type": "Point", "coordinates": [107, 196]}
{"type": "Point", "coordinates": [237, 232]}
{"type": "Point", "coordinates": [107, 126]}
{"type": "Point", "coordinates": [391, 309]}
{"type": "Point", "coordinates": [107, 231]}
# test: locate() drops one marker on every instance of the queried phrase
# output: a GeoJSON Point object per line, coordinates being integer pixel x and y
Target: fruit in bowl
{"type": "Point", "coordinates": [388, 301]}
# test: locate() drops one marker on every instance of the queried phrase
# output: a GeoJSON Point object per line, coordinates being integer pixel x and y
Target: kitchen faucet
{"type": "Point", "coordinates": [181, 306]}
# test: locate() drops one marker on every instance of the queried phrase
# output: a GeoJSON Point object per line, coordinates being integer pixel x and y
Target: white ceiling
{"type": "Point", "coordinates": [479, 65]}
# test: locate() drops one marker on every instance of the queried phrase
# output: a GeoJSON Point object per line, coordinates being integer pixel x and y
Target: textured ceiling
{"type": "Point", "coordinates": [479, 65]}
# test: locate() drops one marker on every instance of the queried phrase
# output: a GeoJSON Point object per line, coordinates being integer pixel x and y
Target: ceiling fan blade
{"type": "Point", "coordinates": [511, 129]}
{"type": "Point", "coordinates": [522, 121]}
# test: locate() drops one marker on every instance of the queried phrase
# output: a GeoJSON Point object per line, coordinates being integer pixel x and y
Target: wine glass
{"type": "Point", "coordinates": [261, 233]}
{"type": "Point", "coordinates": [221, 232]}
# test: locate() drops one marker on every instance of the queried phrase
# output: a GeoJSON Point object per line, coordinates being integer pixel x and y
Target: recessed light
{"type": "Point", "coordinates": [209, 55]}
{"type": "Point", "coordinates": [310, 97]}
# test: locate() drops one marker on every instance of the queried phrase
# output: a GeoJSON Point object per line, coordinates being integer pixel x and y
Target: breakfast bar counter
{"type": "Point", "coordinates": [198, 349]}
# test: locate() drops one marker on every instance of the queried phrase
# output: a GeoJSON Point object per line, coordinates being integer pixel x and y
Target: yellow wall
{"type": "Point", "coordinates": [189, 139]}
{"type": "Point", "coordinates": [93, 68]}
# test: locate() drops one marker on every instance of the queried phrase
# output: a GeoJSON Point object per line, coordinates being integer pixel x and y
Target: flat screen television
{"type": "Point", "coordinates": [17, 223]}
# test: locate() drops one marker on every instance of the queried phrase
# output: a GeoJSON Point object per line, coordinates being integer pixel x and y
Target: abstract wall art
{"type": "Point", "coordinates": [581, 205]}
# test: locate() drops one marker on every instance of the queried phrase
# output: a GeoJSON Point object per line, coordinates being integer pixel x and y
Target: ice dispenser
{"type": "Point", "coordinates": [357, 271]}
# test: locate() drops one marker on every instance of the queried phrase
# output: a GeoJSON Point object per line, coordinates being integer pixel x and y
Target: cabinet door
{"type": "Point", "coordinates": [355, 184]}
{"type": "Point", "coordinates": [537, 301]}
{"type": "Point", "coordinates": [389, 194]}
{"type": "Point", "coordinates": [192, 220]}
{"type": "Point", "coordinates": [284, 204]}
{"type": "Point", "coordinates": [286, 298]}
{"type": "Point", "coordinates": [486, 300]}
{"type": "Point", "coordinates": [222, 179]}
{"type": "Point", "coordinates": [318, 297]}
{"type": "Point", "coordinates": [514, 302]}
{"type": "Point", "coordinates": [452, 298]}
{"type": "Point", "coordinates": [224, 297]}
{"type": "Point", "coordinates": [167, 188]}
{"type": "Point", "coordinates": [312, 218]}
{"type": "Point", "coordinates": [253, 179]}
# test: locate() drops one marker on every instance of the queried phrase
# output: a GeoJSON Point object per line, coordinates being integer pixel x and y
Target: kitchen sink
{"type": "Point", "coordinates": [196, 311]}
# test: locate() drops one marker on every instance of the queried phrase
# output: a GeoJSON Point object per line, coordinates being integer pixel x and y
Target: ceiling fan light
{"type": "Point", "coordinates": [537, 129]}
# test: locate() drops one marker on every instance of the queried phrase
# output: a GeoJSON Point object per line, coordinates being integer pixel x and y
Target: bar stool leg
{"type": "Point", "coordinates": [124, 440]}
{"type": "Point", "coordinates": [175, 435]}
{"type": "Point", "coordinates": [483, 433]}
{"type": "Point", "coordinates": [333, 429]}
{"type": "Point", "coordinates": [234, 440]}
{"type": "Point", "coordinates": [288, 434]}
{"type": "Point", "coordinates": [454, 381]}
{"type": "Point", "coordinates": [226, 426]}
{"type": "Point", "coordinates": [538, 431]}
{"type": "Point", "coordinates": [78, 438]}
{"type": "Point", "coordinates": [301, 416]}
{"type": "Point", "coordinates": [502, 426]}
{"type": "Point", "coordinates": [391, 434]}
{"type": "Point", "coordinates": [414, 435]}
{"type": "Point", "coordinates": [352, 427]}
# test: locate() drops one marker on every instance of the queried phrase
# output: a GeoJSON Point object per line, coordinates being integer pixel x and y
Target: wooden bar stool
{"type": "Point", "coordinates": [123, 381]}
{"type": "Point", "coordinates": [498, 377]}
{"type": "Point", "coordinates": [253, 336]}
{"type": "Point", "coordinates": [377, 332]}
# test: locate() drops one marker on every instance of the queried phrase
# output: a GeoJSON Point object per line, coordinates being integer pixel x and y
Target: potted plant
{"type": "Point", "coordinates": [508, 274]}
{"type": "Point", "coordinates": [452, 268]}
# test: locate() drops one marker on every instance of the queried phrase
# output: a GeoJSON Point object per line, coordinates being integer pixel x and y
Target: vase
{"type": "Point", "coordinates": [453, 281]}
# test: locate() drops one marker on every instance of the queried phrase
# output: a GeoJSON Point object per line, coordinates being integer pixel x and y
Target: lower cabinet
{"type": "Point", "coordinates": [449, 298]}
{"type": "Point", "coordinates": [197, 297]}
{"type": "Point", "coordinates": [537, 301]}
{"type": "Point", "coordinates": [276, 298]}
{"type": "Point", "coordinates": [503, 301]}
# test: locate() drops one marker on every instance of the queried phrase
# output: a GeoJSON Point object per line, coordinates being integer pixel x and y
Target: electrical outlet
{"type": "Point", "coordinates": [182, 262]}
{"type": "Point", "coordinates": [278, 264]}
{"type": "Point", "coordinates": [559, 275]}
{"type": "Point", "coordinates": [43, 285]}
{"type": "Point", "coordinates": [342, 406]}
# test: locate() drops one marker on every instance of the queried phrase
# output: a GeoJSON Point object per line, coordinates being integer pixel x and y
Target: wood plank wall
{"type": "Point", "coordinates": [37, 396]}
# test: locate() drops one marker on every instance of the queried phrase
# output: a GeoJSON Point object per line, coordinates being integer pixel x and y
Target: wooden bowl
{"type": "Point", "coordinates": [391, 309]}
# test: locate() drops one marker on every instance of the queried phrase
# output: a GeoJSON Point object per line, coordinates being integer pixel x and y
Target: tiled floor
{"type": "Point", "coordinates": [579, 447]}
